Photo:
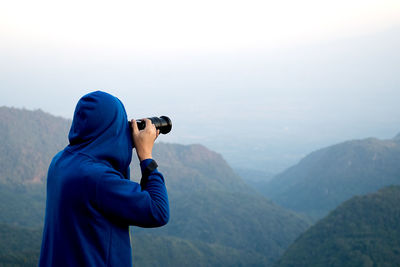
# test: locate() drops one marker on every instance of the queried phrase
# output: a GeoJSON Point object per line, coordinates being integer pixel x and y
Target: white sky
{"type": "Point", "coordinates": [302, 74]}
{"type": "Point", "coordinates": [184, 25]}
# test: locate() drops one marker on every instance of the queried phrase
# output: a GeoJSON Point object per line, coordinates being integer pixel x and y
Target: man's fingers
{"type": "Point", "coordinates": [144, 139]}
{"type": "Point", "coordinates": [151, 126]}
{"type": "Point", "coordinates": [148, 122]}
{"type": "Point", "coordinates": [134, 126]}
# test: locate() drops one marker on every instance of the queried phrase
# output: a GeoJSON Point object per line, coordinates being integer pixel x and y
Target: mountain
{"type": "Point", "coordinates": [329, 176]}
{"type": "Point", "coordinates": [210, 204]}
{"type": "Point", "coordinates": [193, 167]}
{"type": "Point", "coordinates": [230, 220]}
{"type": "Point", "coordinates": [216, 219]}
{"type": "Point", "coordinates": [364, 231]}
{"type": "Point", "coordinates": [29, 139]}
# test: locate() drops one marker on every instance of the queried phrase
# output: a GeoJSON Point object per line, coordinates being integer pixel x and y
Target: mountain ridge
{"type": "Point", "coordinates": [24, 155]}
{"type": "Point", "coordinates": [328, 176]}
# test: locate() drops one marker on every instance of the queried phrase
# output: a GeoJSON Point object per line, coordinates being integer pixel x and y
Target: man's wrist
{"type": "Point", "coordinates": [144, 156]}
{"type": "Point", "coordinates": [147, 166]}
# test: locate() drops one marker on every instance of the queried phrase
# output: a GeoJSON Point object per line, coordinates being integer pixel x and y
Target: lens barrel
{"type": "Point", "coordinates": [162, 123]}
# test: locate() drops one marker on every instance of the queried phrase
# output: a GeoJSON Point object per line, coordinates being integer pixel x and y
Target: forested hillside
{"type": "Point", "coordinates": [28, 141]}
{"type": "Point", "coordinates": [216, 219]}
{"type": "Point", "coordinates": [192, 168]}
{"type": "Point", "coordinates": [364, 231]}
{"type": "Point", "coordinates": [149, 249]}
{"type": "Point", "coordinates": [329, 176]}
{"type": "Point", "coordinates": [19, 246]}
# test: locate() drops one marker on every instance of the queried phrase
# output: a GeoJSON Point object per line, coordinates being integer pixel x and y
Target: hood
{"type": "Point", "coordinates": [100, 129]}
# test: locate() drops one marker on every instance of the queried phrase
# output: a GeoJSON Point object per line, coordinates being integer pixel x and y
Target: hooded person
{"type": "Point", "coordinates": [90, 200]}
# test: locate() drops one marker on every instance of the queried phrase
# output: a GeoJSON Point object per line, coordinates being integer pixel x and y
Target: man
{"type": "Point", "coordinates": [90, 200]}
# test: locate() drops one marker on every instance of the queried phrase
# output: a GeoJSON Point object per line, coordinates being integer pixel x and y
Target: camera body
{"type": "Point", "coordinates": [163, 123]}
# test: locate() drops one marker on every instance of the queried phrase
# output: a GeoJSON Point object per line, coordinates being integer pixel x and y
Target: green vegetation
{"type": "Point", "coordinates": [327, 177]}
{"type": "Point", "coordinates": [244, 222]}
{"type": "Point", "coordinates": [155, 250]}
{"type": "Point", "coordinates": [28, 141]}
{"type": "Point", "coordinates": [193, 168]}
{"type": "Point", "coordinates": [22, 205]}
{"type": "Point", "coordinates": [19, 246]}
{"type": "Point", "coordinates": [364, 231]}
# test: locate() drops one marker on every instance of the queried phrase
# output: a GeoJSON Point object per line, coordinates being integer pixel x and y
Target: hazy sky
{"type": "Point", "coordinates": [262, 82]}
{"type": "Point", "coordinates": [165, 27]}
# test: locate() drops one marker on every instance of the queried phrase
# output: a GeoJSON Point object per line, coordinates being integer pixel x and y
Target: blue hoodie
{"type": "Point", "coordinates": [90, 200]}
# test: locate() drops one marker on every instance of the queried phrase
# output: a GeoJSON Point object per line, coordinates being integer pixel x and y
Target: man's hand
{"type": "Point", "coordinates": [144, 140]}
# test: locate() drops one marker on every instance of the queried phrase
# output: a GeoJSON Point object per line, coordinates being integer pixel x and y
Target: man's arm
{"type": "Point", "coordinates": [144, 142]}
{"type": "Point", "coordinates": [127, 202]}
{"type": "Point", "coordinates": [146, 205]}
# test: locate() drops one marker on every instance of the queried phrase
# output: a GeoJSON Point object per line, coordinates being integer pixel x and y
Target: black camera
{"type": "Point", "coordinates": [162, 123]}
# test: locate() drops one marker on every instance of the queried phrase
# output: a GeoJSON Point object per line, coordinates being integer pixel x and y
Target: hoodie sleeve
{"type": "Point", "coordinates": [126, 201]}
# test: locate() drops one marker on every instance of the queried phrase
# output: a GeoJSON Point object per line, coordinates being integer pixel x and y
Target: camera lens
{"type": "Point", "coordinates": [162, 123]}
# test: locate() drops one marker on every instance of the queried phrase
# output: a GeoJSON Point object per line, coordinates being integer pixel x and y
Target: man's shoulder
{"type": "Point", "coordinates": [92, 164]}
{"type": "Point", "coordinates": [86, 165]}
